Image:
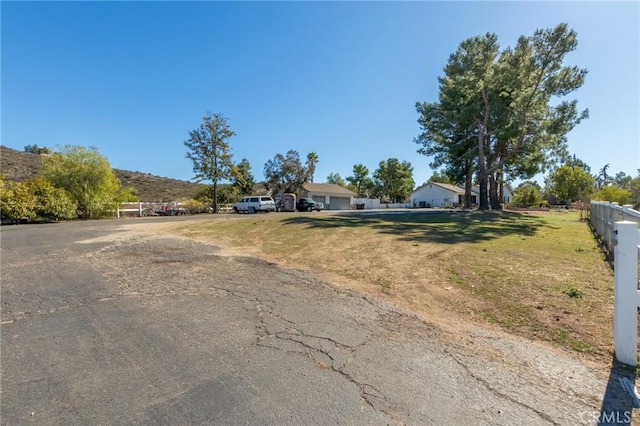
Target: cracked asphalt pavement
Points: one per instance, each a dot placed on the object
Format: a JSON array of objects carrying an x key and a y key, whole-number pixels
[{"x": 103, "y": 323}]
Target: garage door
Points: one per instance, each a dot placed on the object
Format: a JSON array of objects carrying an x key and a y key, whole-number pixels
[{"x": 339, "y": 203}]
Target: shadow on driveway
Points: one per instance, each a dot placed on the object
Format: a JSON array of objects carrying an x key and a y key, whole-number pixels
[{"x": 618, "y": 402}]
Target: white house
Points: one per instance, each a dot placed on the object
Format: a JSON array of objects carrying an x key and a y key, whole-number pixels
[
  {"x": 435, "y": 194},
  {"x": 507, "y": 192},
  {"x": 334, "y": 197}
]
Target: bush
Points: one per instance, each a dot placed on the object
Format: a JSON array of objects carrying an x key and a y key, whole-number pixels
[
  {"x": 35, "y": 199},
  {"x": 52, "y": 203},
  {"x": 527, "y": 196},
  {"x": 18, "y": 203},
  {"x": 612, "y": 194},
  {"x": 194, "y": 206}
]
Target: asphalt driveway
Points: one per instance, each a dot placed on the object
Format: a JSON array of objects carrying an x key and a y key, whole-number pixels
[{"x": 105, "y": 324}]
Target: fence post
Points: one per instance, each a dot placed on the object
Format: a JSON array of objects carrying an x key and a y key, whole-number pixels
[
  {"x": 140, "y": 209},
  {"x": 611, "y": 218},
  {"x": 625, "y": 322},
  {"x": 601, "y": 221}
]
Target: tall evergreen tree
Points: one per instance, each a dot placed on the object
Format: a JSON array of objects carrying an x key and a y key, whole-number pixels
[{"x": 502, "y": 101}]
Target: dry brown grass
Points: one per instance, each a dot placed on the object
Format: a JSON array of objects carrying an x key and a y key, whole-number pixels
[{"x": 541, "y": 276}]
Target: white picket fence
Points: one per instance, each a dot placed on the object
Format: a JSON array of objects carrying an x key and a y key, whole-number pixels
[
  {"x": 152, "y": 208},
  {"x": 617, "y": 226},
  {"x": 375, "y": 203}
]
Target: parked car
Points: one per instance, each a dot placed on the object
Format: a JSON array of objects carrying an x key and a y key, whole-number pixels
[
  {"x": 309, "y": 204},
  {"x": 254, "y": 204}
]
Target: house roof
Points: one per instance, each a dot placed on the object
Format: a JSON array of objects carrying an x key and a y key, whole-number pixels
[
  {"x": 328, "y": 188},
  {"x": 453, "y": 188}
]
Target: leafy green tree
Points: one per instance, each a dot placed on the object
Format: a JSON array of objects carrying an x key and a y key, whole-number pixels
[
  {"x": 210, "y": 152},
  {"x": 394, "y": 179},
  {"x": 621, "y": 180},
  {"x": 87, "y": 177},
  {"x": 228, "y": 194},
  {"x": 127, "y": 194},
  {"x": 335, "y": 178},
  {"x": 204, "y": 195},
  {"x": 35, "y": 149},
  {"x": 360, "y": 181},
  {"x": 612, "y": 194},
  {"x": 241, "y": 178},
  {"x": 528, "y": 194},
  {"x": 570, "y": 183},
  {"x": 507, "y": 103},
  {"x": 440, "y": 177},
  {"x": 285, "y": 173},
  {"x": 312, "y": 161}
]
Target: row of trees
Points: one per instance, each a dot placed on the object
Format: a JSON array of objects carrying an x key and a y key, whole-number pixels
[
  {"x": 73, "y": 182},
  {"x": 392, "y": 180},
  {"x": 501, "y": 114},
  {"x": 572, "y": 182},
  {"x": 210, "y": 152}
]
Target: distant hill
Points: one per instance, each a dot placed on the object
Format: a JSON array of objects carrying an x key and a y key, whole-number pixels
[{"x": 20, "y": 165}]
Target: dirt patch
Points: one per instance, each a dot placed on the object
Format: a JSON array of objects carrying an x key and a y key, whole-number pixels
[
  {"x": 420, "y": 291},
  {"x": 511, "y": 272}
]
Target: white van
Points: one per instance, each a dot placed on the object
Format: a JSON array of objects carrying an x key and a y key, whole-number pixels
[{"x": 255, "y": 204}]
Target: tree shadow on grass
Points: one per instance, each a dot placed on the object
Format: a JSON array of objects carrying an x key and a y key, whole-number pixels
[{"x": 435, "y": 227}]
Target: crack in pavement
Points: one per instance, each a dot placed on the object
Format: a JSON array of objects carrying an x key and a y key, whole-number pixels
[
  {"x": 290, "y": 332},
  {"x": 368, "y": 393},
  {"x": 342, "y": 331},
  {"x": 496, "y": 392}
]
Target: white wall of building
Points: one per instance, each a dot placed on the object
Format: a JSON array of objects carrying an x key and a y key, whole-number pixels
[{"x": 434, "y": 196}]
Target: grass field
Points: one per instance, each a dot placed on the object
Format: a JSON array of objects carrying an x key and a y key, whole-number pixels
[{"x": 541, "y": 276}]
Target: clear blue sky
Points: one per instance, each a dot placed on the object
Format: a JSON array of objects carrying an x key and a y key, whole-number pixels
[{"x": 337, "y": 78}]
